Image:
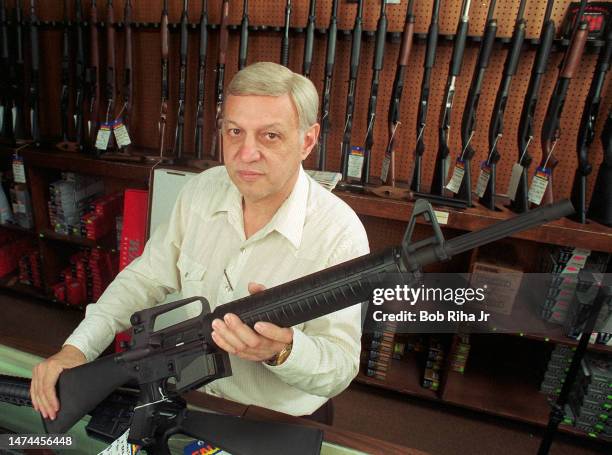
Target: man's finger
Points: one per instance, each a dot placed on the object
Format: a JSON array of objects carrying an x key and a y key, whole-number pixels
[
  {"x": 229, "y": 336},
  {"x": 274, "y": 332},
  {"x": 242, "y": 331},
  {"x": 254, "y": 288},
  {"x": 220, "y": 341}
]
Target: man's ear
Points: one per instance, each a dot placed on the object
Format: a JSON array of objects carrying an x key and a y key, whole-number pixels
[{"x": 311, "y": 137}]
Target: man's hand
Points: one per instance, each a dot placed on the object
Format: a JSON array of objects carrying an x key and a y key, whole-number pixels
[
  {"x": 45, "y": 376},
  {"x": 237, "y": 338}
]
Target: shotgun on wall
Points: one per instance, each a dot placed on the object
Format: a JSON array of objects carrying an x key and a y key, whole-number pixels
[
  {"x": 586, "y": 131},
  {"x": 468, "y": 121},
  {"x": 6, "y": 114},
  {"x": 65, "y": 79},
  {"x": 34, "y": 76},
  {"x": 92, "y": 77},
  {"x": 387, "y": 173},
  {"x": 309, "y": 42},
  {"x": 182, "y": 90},
  {"x": 215, "y": 149},
  {"x": 526, "y": 132},
  {"x": 203, "y": 50},
  {"x": 352, "y": 88},
  {"x": 552, "y": 119},
  {"x": 442, "y": 159},
  {"x": 165, "y": 87},
  {"x": 496, "y": 125},
  {"x": 428, "y": 64},
  {"x": 600, "y": 208},
  {"x": 330, "y": 60},
  {"x": 18, "y": 78},
  {"x": 243, "y": 50},
  {"x": 284, "y": 57},
  {"x": 79, "y": 99}
]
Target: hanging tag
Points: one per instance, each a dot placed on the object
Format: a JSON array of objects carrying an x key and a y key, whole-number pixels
[
  {"x": 455, "y": 182},
  {"x": 538, "y": 185},
  {"x": 14, "y": 112},
  {"x": 385, "y": 168},
  {"x": 121, "y": 134},
  {"x": 19, "y": 175},
  {"x": 103, "y": 136},
  {"x": 515, "y": 178},
  {"x": 121, "y": 446},
  {"x": 355, "y": 162},
  {"x": 483, "y": 179}
]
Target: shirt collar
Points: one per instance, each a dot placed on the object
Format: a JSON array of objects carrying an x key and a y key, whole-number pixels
[{"x": 289, "y": 218}]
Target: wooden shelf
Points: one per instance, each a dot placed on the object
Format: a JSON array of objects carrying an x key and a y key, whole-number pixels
[
  {"x": 562, "y": 339},
  {"x": 106, "y": 243},
  {"x": 565, "y": 232},
  {"x": 11, "y": 282},
  {"x": 85, "y": 164},
  {"x": 403, "y": 376},
  {"x": 17, "y": 228}
]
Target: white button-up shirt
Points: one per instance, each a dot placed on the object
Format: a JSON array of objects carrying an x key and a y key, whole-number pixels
[{"x": 203, "y": 251}]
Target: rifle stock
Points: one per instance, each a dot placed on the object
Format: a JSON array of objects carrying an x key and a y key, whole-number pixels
[
  {"x": 156, "y": 356},
  {"x": 82, "y": 388}
]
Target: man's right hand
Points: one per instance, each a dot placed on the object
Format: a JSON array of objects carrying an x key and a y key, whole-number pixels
[{"x": 45, "y": 376}]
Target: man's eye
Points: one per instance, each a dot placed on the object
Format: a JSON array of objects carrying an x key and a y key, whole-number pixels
[
  {"x": 234, "y": 131},
  {"x": 271, "y": 136}
]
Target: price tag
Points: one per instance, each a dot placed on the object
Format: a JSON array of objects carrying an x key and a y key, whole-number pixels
[
  {"x": 538, "y": 185},
  {"x": 455, "y": 182},
  {"x": 121, "y": 134},
  {"x": 121, "y": 446},
  {"x": 441, "y": 217},
  {"x": 19, "y": 175},
  {"x": 103, "y": 136},
  {"x": 483, "y": 179},
  {"x": 355, "y": 162},
  {"x": 385, "y": 168},
  {"x": 515, "y": 178}
]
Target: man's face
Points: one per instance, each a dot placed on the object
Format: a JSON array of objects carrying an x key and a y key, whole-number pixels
[{"x": 262, "y": 147}]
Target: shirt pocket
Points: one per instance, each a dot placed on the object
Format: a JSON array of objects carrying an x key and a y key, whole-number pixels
[{"x": 192, "y": 277}]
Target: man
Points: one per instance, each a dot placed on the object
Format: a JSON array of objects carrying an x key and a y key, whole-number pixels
[{"x": 257, "y": 222}]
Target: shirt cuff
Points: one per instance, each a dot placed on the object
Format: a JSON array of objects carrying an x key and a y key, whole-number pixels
[{"x": 302, "y": 359}]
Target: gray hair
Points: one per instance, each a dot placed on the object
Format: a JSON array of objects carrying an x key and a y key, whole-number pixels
[{"x": 272, "y": 79}]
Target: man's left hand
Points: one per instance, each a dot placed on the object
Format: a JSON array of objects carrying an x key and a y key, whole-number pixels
[{"x": 237, "y": 338}]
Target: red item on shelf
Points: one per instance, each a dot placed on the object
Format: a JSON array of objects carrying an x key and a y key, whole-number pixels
[{"x": 135, "y": 210}]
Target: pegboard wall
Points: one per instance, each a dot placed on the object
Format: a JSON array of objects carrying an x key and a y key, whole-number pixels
[{"x": 264, "y": 45}]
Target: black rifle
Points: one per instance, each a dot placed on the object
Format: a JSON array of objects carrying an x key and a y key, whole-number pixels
[
  {"x": 80, "y": 76},
  {"x": 600, "y": 208},
  {"x": 93, "y": 78},
  {"x": 6, "y": 114},
  {"x": 128, "y": 70},
  {"x": 180, "y": 116},
  {"x": 387, "y": 174},
  {"x": 165, "y": 84},
  {"x": 111, "y": 74},
  {"x": 244, "y": 36},
  {"x": 18, "y": 77},
  {"x": 496, "y": 126},
  {"x": 187, "y": 353},
  {"x": 284, "y": 59},
  {"x": 377, "y": 66},
  {"x": 428, "y": 63},
  {"x": 309, "y": 43},
  {"x": 586, "y": 131},
  {"x": 223, "y": 41},
  {"x": 552, "y": 119},
  {"x": 350, "y": 98},
  {"x": 34, "y": 75},
  {"x": 526, "y": 132},
  {"x": 199, "y": 131},
  {"x": 330, "y": 60},
  {"x": 442, "y": 158},
  {"x": 468, "y": 121},
  {"x": 65, "y": 78}
]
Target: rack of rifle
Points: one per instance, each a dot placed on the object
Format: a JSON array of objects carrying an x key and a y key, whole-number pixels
[{"x": 95, "y": 118}]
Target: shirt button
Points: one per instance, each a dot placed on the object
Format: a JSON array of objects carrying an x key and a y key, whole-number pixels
[{"x": 242, "y": 250}]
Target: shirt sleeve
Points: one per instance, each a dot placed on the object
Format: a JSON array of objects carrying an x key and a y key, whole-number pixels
[
  {"x": 325, "y": 354},
  {"x": 142, "y": 284}
]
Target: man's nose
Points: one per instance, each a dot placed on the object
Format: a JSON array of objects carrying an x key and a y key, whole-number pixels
[{"x": 248, "y": 149}]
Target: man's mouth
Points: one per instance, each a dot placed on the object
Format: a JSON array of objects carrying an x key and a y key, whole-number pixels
[{"x": 249, "y": 176}]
